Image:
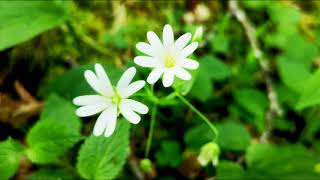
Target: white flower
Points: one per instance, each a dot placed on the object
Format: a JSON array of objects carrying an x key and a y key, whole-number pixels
[
  {"x": 168, "y": 58},
  {"x": 111, "y": 101}
]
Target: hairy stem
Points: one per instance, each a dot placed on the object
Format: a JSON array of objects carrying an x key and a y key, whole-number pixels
[
  {"x": 274, "y": 108},
  {"x": 202, "y": 116}
]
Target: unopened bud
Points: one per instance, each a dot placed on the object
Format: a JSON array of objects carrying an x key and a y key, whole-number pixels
[
  {"x": 209, "y": 153},
  {"x": 197, "y": 37},
  {"x": 146, "y": 165}
]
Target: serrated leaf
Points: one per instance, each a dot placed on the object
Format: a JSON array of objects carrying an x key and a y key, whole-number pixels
[
  {"x": 103, "y": 158},
  {"x": 233, "y": 136},
  {"x": 22, "y": 20},
  {"x": 58, "y": 109},
  {"x": 50, "y": 174},
  {"x": 11, "y": 152},
  {"x": 57, "y": 131}
]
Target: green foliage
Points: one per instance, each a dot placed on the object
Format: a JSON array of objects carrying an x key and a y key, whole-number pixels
[
  {"x": 50, "y": 174},
  {"x": 233, "y": 136},
  {"x": 22, "y": 20},
  {"x": 254, "y": 102},
  {"x": 288, "y": 161},
  {"x": 265, "y": 161},
  {"x": 103, "y": 158},
  {"x": 58, "y": 131},
  {"x": 310, "y": 95},
  {"x": 211, "y": 69},
  {"x": 229, "y": 88},
  {"x": 11, "y": 152},
  {"x": 169, "y": 154},
  {"x": 197, "y": 136},
  {"x": 230, "y": 170}
]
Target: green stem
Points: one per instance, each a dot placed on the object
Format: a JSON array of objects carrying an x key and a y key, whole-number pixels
[
  {"x": 202, "y": 116},
  {"x": 152, "y": 123}
]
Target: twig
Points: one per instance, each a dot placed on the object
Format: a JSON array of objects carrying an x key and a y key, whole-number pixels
[
  {"x": 134, "y": 166},
  {"x": 274, "y": 108}
]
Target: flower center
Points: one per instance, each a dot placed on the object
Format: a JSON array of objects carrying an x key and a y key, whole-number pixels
[
  {"x": 169, "y": 61},
  {"x": 116, "y": 99}
]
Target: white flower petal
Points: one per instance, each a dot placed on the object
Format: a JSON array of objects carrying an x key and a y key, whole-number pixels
[
  {"x": 90, "y": 110},
  {"x": 101, "y": 123},
  {"x": 182, "y": 41},
  {"x": 188, "y": 50},
  {"x": 136, "y": 106},
  {"x": 155, "y": 75},
  {"x": 154, "y": 40},
  {"x": 129, "y": 114},
  {"x": 95, "y": 83},
  {"x": 103, "y": 77},
  {"x": 131, "y": 89},
  {"x": 146, "y": 61},
  {"x": 126, "y": 78},
  {"x": 203, "y": 160},
  {"x": 146, "y": 49},
  {"x": 168, "y": 78},
  {"x": 112, "y": 120},
  {"x": 167, "y": 36},
  {"x": 88, "y": 100},
  {"x": 189, "y": 63},
  {"x": 182, "y": 74}
]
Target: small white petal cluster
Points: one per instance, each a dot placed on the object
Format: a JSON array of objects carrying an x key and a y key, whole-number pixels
[
  {"x": 168, "y": 58},
  {"x": 111, "y": 101},
  {"x": 209, "y": 153}
]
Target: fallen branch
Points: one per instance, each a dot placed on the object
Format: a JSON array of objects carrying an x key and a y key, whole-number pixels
[{"x": 274, "y": 108}]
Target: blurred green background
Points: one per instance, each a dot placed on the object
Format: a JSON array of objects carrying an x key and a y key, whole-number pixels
[{"x": 46, "y": 45}]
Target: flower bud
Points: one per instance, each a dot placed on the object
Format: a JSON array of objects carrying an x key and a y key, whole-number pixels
[
  {"x": 209, "y": 153},
  {"x": 197, "y": 37},
  {"x": 146, "y": 165},
  {"x": 317, "y": 168}
]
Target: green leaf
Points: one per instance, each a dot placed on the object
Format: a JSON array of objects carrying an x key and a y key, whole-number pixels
[
  {"x": 230, "y": 170},
  {"x": 283, "y": 124},
  {"x": 57, "y": 131},
  {"x": 310, "y": 95},
  {"x": 266, "y": 161},
  {"x": 253, "y": 101},
  {"x": 215, "y": 68},
  {"x": 169, "y": 154},
  {"x": 11, "y": 152},
  {"x": 22, "y": 20},
  {"x": 58, "y": 109},
  {"x": 202, "y": 88},
  {"x": 103, "y": 158},
  {"x": 233, "y": 136},
  {"x": 292, "y": 73},
  {"x": 50, "y": 174},
  {"x": 197, "y": 136}
]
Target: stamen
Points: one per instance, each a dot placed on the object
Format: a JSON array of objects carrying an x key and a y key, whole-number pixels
[{"x": 169, "y": 61}]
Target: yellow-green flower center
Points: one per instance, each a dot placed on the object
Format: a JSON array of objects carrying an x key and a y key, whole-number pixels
[
  {"x": 116, "y": 99},
  {"x": 169, "y": 61}
]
